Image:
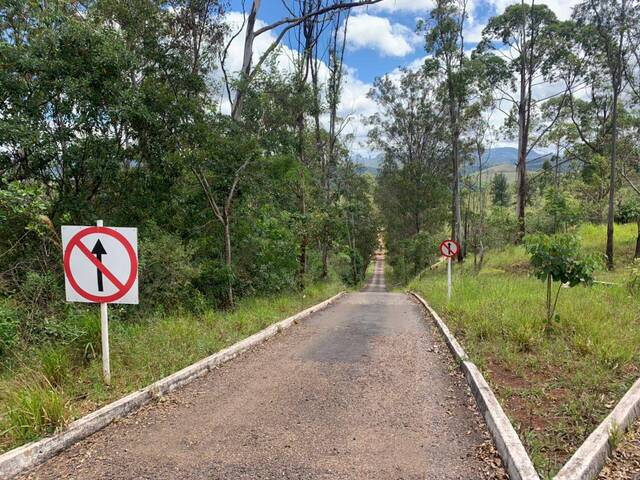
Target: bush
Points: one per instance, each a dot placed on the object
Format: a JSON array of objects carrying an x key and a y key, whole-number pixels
[{"x": 167, "y": 270}]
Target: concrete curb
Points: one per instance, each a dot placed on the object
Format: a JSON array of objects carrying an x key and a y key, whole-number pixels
[
  {"x": 19, "y": 459},
  {"x": 508, "y": 444},
  {"x": 588, "y": 460}
]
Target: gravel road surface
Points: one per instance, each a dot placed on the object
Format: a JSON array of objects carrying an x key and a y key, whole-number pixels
[{"x": 362, "y": 390}]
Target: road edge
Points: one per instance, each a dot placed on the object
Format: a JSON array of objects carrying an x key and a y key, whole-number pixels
[
  {"x": 27, "y": 456},
  {"x": 589, "y": 459},
  {"x": 513, "y": 454}
]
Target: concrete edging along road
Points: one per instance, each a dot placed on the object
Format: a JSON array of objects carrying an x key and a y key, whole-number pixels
[
  {"x": 19, "y": 459},
  {"x": 587, "y": 462},
  {"x": 508, "y": 444}
]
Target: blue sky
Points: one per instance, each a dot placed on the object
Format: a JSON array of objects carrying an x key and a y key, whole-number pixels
[{"x": 381, "y": 38}]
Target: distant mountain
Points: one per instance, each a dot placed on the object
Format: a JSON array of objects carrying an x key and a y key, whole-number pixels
[
  {"x": 504, "y": 158},
  {"x": 370, "y": 164},
  {"x": 509, "y": 156}
]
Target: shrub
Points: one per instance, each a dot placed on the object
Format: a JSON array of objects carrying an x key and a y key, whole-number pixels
[
  {"x": 557, "y": 258},
  {"x": 9, "y": 327},
  {"x": 167, "y": 271}
]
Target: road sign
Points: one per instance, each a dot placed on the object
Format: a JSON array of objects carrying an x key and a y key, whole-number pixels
[
  {"x": 100, "y": 264},
  {"x": 449, "y": 248}
]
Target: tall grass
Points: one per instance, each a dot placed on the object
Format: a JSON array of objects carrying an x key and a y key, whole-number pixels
[{"x": 42, "y": 389}]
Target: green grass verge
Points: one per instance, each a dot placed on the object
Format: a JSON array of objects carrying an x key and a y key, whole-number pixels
[
  {"x": 555, "y": 387},
  {"x": 43, "y": 389}
]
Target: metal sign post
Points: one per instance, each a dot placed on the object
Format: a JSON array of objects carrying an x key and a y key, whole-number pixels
[
  {"x": 101, "y": 266},
  {"x": 449, "y": 249}
]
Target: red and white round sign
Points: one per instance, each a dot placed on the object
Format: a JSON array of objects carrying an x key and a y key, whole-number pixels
[
  {"x": 449, "y": 248},
  {"x": 100, "y": 264}
]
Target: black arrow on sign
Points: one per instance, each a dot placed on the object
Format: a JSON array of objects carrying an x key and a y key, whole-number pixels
[{"x": 98, "y": 250}]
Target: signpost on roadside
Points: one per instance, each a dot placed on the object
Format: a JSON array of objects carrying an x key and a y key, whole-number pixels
[
  {"x": 450, "y": 249},
  {"x": 101, "y": 266}
]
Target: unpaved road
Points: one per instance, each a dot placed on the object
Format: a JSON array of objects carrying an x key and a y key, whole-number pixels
[{"x": 362, "y": 390}]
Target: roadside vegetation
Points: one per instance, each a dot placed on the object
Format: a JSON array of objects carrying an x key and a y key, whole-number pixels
[
  {"x": 248, "y": 206},
  {"x": 555, "y": 386},
  {"x": 546, "y": 292},
  {"x": 46, "y": 386}
]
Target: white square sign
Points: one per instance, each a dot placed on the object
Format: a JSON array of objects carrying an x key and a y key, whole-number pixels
[{"x": 100, "y": 264}]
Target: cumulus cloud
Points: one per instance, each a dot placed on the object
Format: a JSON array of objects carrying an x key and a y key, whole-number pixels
[
  {"x": 380, "y": 34},
  {"x": 411, "y": 6},
  {"x": 562, "y": 8}
]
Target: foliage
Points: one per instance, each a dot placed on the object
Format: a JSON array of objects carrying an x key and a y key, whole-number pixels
[
  {"x": 500, "y": 195},
  {"x": 557, "y": 258}
]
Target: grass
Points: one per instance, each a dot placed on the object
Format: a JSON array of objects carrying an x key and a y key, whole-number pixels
[
  {"x": 43, "y": 389},
  {"x": 556, "y": 387}
]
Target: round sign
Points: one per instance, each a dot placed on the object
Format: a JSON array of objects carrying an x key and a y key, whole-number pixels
[
  {"x": 449, "y": 248},
  {"x": 122, "y": 287}
]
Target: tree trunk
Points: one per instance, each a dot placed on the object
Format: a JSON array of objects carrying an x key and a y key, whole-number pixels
[
  {"x": 612, "y": 180},
  {"x": 227, "y": 259},
  {"x": 521, "y": 166},
  {"x": 238, "y": 103},
  {"x": 456, "y": 224}
]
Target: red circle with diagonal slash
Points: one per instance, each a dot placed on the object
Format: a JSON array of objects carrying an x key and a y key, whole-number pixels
[
  {"x": 446, "y": 251},
  {"x": 123, "y": 288}
]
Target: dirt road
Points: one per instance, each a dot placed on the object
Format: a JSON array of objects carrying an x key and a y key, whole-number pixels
[{"x": 362, "y": 390}]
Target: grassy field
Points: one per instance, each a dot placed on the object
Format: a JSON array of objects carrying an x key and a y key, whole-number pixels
[
  {"x": 43, "y": 389},
  {"x": 555, "y": 387}
]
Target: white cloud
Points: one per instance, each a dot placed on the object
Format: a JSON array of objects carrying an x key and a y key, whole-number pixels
[
  {"x": 413, "y": 6},
  {"x": 378, "y": 33},
  {"x": 562, "y": 8}
]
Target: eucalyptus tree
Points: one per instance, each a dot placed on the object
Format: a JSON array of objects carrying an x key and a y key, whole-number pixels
[
  {"x": 283, "y": 26},
  {"x": 605, "y": 26},
  {"x": 523, "y": 38},
  {"x": 444, "y": 37}
]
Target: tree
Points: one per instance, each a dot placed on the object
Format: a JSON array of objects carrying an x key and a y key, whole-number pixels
[
  {"x": 500, "y": 190},
  {"x": 527, "y": 32},
  {"x": 445, "y": 40},
  {"x": 557, "y": 258},
  {"x": 605, "y": 26}
]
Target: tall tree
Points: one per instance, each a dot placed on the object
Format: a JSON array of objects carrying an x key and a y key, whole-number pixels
[
  {"x": 606, "y": 25},
  {"x": 444, "y": 36},
  {"x": 527, "y": 32}
]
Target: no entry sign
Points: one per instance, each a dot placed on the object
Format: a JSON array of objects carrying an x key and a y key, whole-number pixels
[
  {"x": 449, "y": 248},
  {"x": 100, "y": 264}
]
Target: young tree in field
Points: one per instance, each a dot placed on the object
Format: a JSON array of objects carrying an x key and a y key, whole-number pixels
[
  {"x": 526, "y": 34},
  {"x": 604, "y": 38}
]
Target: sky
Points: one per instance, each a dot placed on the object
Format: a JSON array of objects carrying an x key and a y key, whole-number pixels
[{"x": 381, "y": 39}]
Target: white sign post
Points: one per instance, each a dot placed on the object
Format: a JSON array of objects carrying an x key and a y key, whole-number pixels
[
  {"x": 101, "y": 266},
  {"x": 449, "y": 249}
]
